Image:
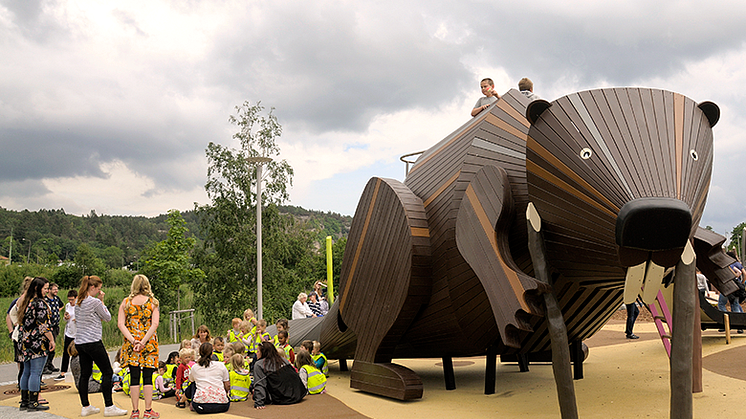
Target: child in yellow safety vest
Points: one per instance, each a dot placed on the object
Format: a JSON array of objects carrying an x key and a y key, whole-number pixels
[
  {"x": 282, "y": 343},
  {"x": 234, "y": 334},
  {"x": 281, "y": 325},
  {"x": 172, "y": 364},
  {"x": 312, "y": 377},
  {"x": 240, "y": 379},
  {"x": 218, "y": 344},
  {"x": 157, "y": 391},
  {"x": 319, "y": 359}
]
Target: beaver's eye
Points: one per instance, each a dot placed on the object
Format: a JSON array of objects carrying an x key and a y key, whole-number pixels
[
  {"x": 694, "y": 155},
  {"x": 586, "y": 153}
]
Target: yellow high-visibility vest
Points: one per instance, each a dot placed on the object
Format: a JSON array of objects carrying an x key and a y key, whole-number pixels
[
  {"x": 240, "y": 384},
  {"x": 325, "y": 365},
  {"x": 316, "y": 379}
]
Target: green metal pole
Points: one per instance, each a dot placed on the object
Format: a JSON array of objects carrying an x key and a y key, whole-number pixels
[{"x": 329, "y": 269}]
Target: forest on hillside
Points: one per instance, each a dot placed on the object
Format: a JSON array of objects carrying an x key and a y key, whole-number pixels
[{"x": 53, "y": 236}]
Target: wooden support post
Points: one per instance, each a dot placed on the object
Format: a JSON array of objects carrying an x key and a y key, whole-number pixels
[
  {"x": 555, "y": 321},
  {"x": 448, "y": 373},
  {"x": 343, "y": 364},
  {"x": 684, "y": 291},
  {"x": 522, "y": 362},
  {"x": 697, "y": 353},
  {"x": 490, "y": 370},
  {"x": 726, "y": 320},
  {"x": 576, "y": 352}
]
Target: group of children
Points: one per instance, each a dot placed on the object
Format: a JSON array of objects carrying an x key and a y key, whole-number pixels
[{"x": 238, "y": 351}]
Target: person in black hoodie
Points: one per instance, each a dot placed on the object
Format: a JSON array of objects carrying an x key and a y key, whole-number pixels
[{"x": 275, "y": 379}]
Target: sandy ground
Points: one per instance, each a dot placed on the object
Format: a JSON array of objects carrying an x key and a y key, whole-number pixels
[{"x": 623, "y": 378}]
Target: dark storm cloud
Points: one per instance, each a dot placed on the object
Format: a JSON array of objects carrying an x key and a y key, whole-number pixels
[
  {"x": 333, "y": 69},
  {"x": 328, "y": 70},
  {"x": 50, "y": 152},
  {"x": 30, "y": 18}
]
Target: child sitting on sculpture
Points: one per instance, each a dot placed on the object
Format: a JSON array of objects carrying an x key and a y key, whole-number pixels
[{"x": 490, "y": 96}]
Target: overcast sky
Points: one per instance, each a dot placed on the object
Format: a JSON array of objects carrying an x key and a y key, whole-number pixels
[{"x": 109, "y": 105}]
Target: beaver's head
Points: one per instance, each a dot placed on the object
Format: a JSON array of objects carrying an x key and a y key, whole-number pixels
[{"x": 620, "y": 177}]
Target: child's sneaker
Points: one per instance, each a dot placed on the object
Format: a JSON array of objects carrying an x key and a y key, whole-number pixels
[
  {"x": 114, "y": 410},
  {"x": 89, "y": 410},
  {"x": 151, "y": 414},
  {"x": 135, "y": 414}
]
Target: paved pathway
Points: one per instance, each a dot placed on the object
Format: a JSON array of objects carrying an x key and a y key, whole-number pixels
[{"x": 9, "y": 371}]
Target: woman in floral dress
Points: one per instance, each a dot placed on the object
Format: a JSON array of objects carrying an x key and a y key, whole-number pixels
[
  {"x": 35, "y": 341},
  {"x": 138, "y": 321}
]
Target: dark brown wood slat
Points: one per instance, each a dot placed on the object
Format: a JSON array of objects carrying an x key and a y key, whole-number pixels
[
  {"x": 638, "y": 111},
  {"x": 636, "y": 142},
  {"x": 599, "y": 168},
  {"x": 629, "y": 148},
  {"x": 664, "y": 112},
  {"x": 586, "y": 220},
  {"x": 560, "y": 135},
  {"x": 609, "y": 129},
  {"x": 701, "y": 141},
  {"x": 544, "y": 141},
  {"x": 661, "y": 165}
]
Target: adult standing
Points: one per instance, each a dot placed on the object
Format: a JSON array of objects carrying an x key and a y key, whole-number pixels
[
  {"x": 55, "y": 305},
  {"x": 275, "y": 379},
  {"x": 138, "y": 320},
  {"x": 36, "y": 341},
  {"x": 11, "y": 319},
  {"x": 89, "y": 314},
  {"x": 301, "y": 310},
  {"x": 70, "y": 331},
  {"x": 212, "y": 381}
]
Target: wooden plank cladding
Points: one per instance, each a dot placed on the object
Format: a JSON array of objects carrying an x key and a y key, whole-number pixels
[{"x": 439, "y": 265}]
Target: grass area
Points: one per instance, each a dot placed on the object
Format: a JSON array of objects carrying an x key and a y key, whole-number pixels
[{"x": 112, "y": 337}]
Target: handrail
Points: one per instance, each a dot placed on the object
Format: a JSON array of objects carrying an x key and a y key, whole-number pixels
[{"x": 407, "y": 161}]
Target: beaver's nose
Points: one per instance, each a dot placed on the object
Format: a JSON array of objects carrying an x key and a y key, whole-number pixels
[{"x": 653, "y": 224}]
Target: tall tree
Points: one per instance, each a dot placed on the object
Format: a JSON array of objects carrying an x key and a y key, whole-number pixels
[
  {"x": 168, "y": 264},
  {"x": 228, "y": 223},
  {"x": 87, "y": 263}
]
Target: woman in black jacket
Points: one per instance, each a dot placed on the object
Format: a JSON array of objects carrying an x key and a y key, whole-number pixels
[{"x": 275, "y": 379}]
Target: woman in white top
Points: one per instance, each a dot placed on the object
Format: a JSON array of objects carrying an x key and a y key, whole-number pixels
[
  {"x": 301, "y": 310},
  {"x": 90, "y": 311},
  {"x": 70, "y": 331},
  {"x": 212, "y": 383}
]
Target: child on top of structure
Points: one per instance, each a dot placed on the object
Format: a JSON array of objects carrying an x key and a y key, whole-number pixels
[
  {"x": 281, "y": 324},
  {"x": 186, "y": 356},
  {"x": 282, "y": 343},
  {"x": 218, "y": 344},
  {"x": 160, "y": 385},
  {"x": 312, "y": 377},
  {"x": 490, "y": 96},
  {"x": 319, "y": 359},
  {"x": 526, "y": 87},
  {"x": 234, "y": 334},
  {"x": 240, "y": 379}
]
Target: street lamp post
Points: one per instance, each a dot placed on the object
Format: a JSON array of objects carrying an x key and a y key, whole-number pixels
[{"x": 260, "y": 163}]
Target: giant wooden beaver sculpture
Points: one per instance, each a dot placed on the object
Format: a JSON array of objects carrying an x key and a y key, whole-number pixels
[{"x": 439, "y": 265}]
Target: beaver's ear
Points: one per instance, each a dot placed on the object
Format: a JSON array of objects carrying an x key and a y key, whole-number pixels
[
  {"x": 535, "y": 109},
  {"x": 711, "y": 111}
]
